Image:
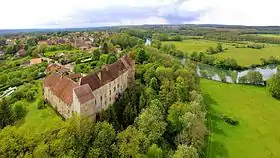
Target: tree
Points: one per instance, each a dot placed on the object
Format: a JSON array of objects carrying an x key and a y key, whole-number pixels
[
  {"x": 211, "y": 50},
  {"x": 181, "y": 89},
  {"x": 105, "y": 48},
  {"x": 130, "y": 142},
  {"x": 168, "y": 93},
  {"x": 164, "y": 73},
  {"x": 254, "y": 77},
  {"x": 155, "y": 152},
  {"x": 5, "y": 113},
  {"x": 242, "y": 79},
  {"x": 218, "y": 48},
  {"x": 194, "y": 56},
  {"x": 19, "y": 110},
  {"x": 194, "y": 129},
  {"x": 175, "y": 112},
  {"x": 273, "y": 85},
  {"x": 156, "y": 44},
  {"x": 104, "y": 136},
  {"x": 111, "y": 58},
  {"x": 141, "y": 56},
  {"x": 149, "y": 74},
  {"x": 10, "y": 50},
  {"x": 234, "y": 75},
  {"x": 185, "y": 151},
  {"x": 154, "y": 84},
  {"x": 222, "y": 76},
  {"x": 104, "y": 58},
  {"x": 151, "y": 123},
  {"x": 95, "y": 54}
]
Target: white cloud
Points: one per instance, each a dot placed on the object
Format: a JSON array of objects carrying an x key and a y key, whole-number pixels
[
  {"x": 239, "y": 12},
  {"x": 85, "y": 13}
]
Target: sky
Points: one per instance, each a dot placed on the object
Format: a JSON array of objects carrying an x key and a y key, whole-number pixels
[{"x": 23, "y": 14}]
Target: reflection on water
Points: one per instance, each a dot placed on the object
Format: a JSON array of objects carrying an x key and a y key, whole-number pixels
[
  {"x": 148, "y": 42},
  {"x": 216, "y": 74}
]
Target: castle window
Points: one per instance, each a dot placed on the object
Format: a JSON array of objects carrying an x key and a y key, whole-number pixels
[
  {"x": 115, "y": 88},
  {"x": 101, "y": 98},
  {"x": 110, "y": 92}
]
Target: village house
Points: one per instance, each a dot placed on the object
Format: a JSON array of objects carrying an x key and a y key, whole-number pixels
[
  {"x": 52, "y": 67},
  {"x": 35, "y": 61},
  {"x": 47, "y": 42},
  {"x": 91, "y": 93},
  {"x": 82, "y": 45},
  {"x": 21, "y": 53}
]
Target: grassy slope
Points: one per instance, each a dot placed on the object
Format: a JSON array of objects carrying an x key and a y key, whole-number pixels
[
  {"x": 244, "y": 56},
  {"x": 257, "y": 135},
  {"x": 38, "y": 120}
]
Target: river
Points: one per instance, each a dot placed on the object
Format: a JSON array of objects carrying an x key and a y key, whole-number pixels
[{"x": 214, "y": 73}]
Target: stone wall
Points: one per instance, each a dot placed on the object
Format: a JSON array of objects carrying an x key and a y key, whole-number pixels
[
  {"x": 106, "y": 95},
  {"x": 87, "y": 109},
  {"x": 62, "y": 108}
]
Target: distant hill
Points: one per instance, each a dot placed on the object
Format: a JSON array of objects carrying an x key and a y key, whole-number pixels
[{"x": 247, "y": 29}]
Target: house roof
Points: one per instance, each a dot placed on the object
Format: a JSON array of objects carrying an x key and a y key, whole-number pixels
[
  {"x": 81, "y": 44},
  {"x": 74, "y": 76},
  {"x": 35, "y": 61},
  {"x": 53, "y": 67},
  {"x": 63, "y": 69},
  {"x": 61, "y": 41},
  {"x": 128, "y": 60},
  {"x": 84, "y": 93},
  {"x": 49, "y": 42},
  {"x": 61, "y": 86},
  {"x": 21, "y": 52},
  {"x": 105, "y": 75}
]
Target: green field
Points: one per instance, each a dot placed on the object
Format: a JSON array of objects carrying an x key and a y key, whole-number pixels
[
  {"x": 243, "y": 56},
  {"x": 53, "y": 53},
  {"x": 258, "y": 133},
  {"x": 270, "y": 35},
  {"x": 38, "y": 120}
]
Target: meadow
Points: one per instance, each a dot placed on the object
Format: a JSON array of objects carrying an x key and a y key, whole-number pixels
[
  {"x": 256, "y": 136},
  {"x": 243, "y": 56},
  {"x": 270, "y": 35},
  {"x": 38, "y": 120}
]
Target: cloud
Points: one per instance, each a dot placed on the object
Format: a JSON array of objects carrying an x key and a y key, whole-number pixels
[{"x": 91, "y": 13}]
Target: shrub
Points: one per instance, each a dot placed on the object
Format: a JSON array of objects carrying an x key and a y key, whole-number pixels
[
  {"x": 41, "y": 104},
  {"x": 19, "y": 110},
  {"x": 229, "y": 120},
  {"x": 273, "y": 85}
]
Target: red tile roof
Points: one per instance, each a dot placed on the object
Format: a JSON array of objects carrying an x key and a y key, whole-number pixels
[
  {"x": 22, "y": 52},
  {"x": 84, "y": 93},
  {"x": 74, "y": 76},
  {"x": 128, "y": 60},
  {"x": 108, "y": 74},
  {"x": 53, "y": 67},
  {"x": 35, "y": 61},
  {"x": 61, "y": 86}
]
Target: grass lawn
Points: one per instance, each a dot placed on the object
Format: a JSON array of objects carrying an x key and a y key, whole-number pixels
[
  {"x": 258, "y": 133},
  {"x": 53, "y": 53},
  {"x": 270, "y": 35},
  {"x": 243, "y": 56},
  {"x": 38, "y": 120}
]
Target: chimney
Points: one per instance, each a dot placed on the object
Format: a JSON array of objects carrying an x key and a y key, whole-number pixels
[{"x": 99, "y": 75}]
